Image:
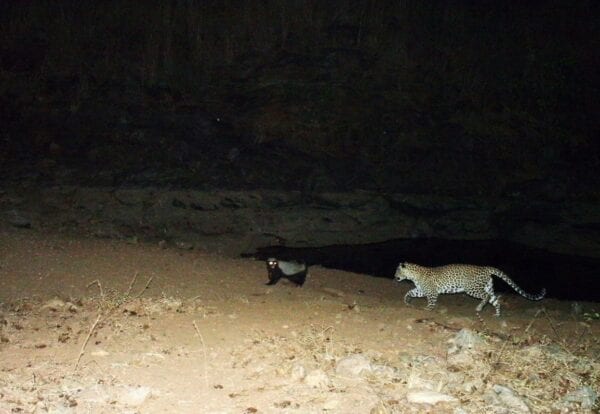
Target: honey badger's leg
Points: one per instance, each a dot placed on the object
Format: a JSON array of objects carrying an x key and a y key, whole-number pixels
[
  {"x": 273, "y": 279},
  {"x": 298, "y": 278},
  {"x": 274, "y": 273},
  {"x": 294, "y": 271}
]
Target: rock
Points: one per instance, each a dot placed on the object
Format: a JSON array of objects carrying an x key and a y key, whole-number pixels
[
  {"x": 417, "y": 383},
  {"x": 465, "y": 339},
  {"x": 428, "y": 397},
  {"x": 334, "y": 292},
  {"x": 162, "y": 305},
  {"x": 298, "y": 372},
  {"x": 553, "y": 351},
  {"x": 330, "y": 404},
  {"x": 95, "y": 394},
  {"x": 585, "y": 396},
  {"x": 380, "y": 408},
  {"x": 472, "y": 386},
  {"x": 54, "y": 305},
  {"x": 106, "y": 231},
  {"x": 463, "y": 350},
  {"x": 184, "y": 245},
  {"x": 384, "y": 371},
  {"x": 133, "y": 196},
  {"x": 134, "y": 396},
  {"x": 576, "y": 309},
  {"x": 171, "y": 304},
  {"x": 460, "y": 361},
  {"x": 353, "y": 366},
  {"x": 18, "y": 220},
  {"x": 177, "y": 203},
  {"x": 506, "y": 397},
  {"x": 132, "y": 240},
  {"x": 317, "y": 379},
  {"x": 100, "y": 353},
  {"x": 333, "y": 218}
]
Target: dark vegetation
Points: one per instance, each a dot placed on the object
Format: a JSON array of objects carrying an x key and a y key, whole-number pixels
[{"x": 462, "y": 97}]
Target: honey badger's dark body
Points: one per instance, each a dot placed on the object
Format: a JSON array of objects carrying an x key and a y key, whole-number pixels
[{"x": 294, "y": 272}]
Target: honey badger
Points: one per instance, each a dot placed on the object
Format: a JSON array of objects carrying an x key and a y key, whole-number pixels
[{"x": 291, "y": 270}]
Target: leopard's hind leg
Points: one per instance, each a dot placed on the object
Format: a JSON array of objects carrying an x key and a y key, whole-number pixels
[
  {"x": 489, "y": 296},
  {"x": 431, "y": 301}
]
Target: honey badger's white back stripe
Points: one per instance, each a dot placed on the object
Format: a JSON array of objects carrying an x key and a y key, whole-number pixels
[{"x": 289, "y": 268}]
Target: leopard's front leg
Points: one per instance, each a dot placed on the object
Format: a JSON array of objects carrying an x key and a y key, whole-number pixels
[{"x": 413, "y": 293}]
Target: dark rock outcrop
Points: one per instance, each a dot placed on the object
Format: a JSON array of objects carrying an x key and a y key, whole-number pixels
[{"x": 240, "y": 221}]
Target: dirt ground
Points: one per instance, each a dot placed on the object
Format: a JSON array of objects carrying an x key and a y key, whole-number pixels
[{"x": 106, "y": 326}]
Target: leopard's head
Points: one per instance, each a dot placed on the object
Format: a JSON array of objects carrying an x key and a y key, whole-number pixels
[{"x": 404, "y": 271}]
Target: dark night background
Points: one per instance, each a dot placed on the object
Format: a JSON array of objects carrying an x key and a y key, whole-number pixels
[{"x": 447, "y": 98}]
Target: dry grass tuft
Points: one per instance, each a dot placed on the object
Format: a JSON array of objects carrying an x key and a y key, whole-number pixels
[{"x": 109, "y": 302}]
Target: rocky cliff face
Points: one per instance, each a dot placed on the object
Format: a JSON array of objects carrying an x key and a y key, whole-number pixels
[{"x": 233, "y": 222}]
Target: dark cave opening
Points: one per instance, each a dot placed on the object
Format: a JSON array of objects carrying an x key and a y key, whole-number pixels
[{"x": 565, "y": 277}]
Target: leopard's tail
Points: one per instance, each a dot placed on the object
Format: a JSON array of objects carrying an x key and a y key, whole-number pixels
[{"x": 499, "y": 273}]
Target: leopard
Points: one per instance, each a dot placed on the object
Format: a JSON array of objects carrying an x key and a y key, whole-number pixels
[{"x": 475, "y": 281}]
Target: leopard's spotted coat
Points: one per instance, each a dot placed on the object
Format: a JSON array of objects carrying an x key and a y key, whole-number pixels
[{"x": 475, "y": 281}]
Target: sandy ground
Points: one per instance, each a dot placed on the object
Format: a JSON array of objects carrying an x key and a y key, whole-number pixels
[{"x": 97, "y": 325}]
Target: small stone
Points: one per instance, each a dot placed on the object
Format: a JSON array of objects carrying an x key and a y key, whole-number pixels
[
  {"x": 334, "y": 292},
  {"x": 510, "y": 400},
  {"x": 317, "y": 379},
  {"x": 132, "y": 240},
  {"x": 353, "y": 366},
  {"x": 428, "y": 397},
  {"x": 298, "y": 372},
  {"x": 184, "y": 245},
  {"x": 465, "y": 339},
  {"x": 576, "y": 309},
  {"x": 384, "y": 371},
  {"x": 135, "y": 396},
  {"x": 71, "y": 307},
  {"x": 380, "y": 408},
  {"x": 331, "y": 404},
  {"x": 54, "y": 305},
  {"x": 460, "y": 361},
  {"x": 15, "y": 219},
  {"x": 168, "y": 303},
  {"x": 96, "y": 394},
  {"x": 585, "y": 396},
  {"x": 472, "y": 386}
]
